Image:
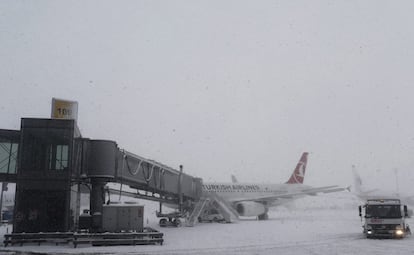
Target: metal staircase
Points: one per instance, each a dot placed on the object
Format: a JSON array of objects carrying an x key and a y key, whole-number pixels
[
  {"x": 198, "y": 208},
  {"x": 213, "y": 200},
  {"x": 224, "y": 207}
]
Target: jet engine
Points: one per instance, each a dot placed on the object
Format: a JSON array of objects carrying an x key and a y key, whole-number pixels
[{"x": 250, "y": 208}]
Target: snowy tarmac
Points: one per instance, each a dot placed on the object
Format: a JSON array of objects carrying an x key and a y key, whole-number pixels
[{"x": 327, "y": 224}]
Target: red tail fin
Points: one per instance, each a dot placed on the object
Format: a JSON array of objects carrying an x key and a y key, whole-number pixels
[{"x": 298, "y": 175}]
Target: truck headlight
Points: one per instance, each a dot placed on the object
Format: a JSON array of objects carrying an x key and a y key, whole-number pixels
[{"x": 399, "y": 232}]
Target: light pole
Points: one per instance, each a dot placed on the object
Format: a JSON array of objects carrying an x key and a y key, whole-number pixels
[{"x": 396, "y": 181}]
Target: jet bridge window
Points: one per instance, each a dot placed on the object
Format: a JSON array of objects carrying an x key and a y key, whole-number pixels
[
  {"x": 58, "y": 157},
  {"x": 45, "y": 149},
  {"x": 8, "y": 157}
]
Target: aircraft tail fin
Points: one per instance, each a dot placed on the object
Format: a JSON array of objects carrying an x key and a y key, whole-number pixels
[
  {"x": 298, "y": 174},
  {"x": 357, "y": 181},
  {"x": 359, "y": 190},
  {"x": 233, "y": 179}
]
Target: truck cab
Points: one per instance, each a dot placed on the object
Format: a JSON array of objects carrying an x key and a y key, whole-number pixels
[{"x": 384, "y": 218}]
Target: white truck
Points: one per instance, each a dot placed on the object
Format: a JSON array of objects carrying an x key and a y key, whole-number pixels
[{"x": 384, "y": 218}]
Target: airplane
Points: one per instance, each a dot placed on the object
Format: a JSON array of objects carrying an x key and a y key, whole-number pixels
[
  {"x": 362, "y": 193},
  {"x": 253, "y": 199}
]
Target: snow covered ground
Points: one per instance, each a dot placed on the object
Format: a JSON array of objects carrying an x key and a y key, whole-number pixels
[{"x": 327, "y": 224}]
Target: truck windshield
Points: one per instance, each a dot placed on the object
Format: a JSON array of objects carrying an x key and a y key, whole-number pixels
[{"x": 382, "y": 211}]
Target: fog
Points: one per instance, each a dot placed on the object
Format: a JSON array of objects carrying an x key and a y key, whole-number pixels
[{"x": 224, "y": 87}]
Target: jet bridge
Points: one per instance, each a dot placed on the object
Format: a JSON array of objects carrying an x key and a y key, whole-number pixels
[
  {"x": 52, "y": 163},
  {"x": 150, "y": 179}
]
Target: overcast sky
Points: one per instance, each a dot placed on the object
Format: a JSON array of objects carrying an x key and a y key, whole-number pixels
[{"x": 224, "y": 87}]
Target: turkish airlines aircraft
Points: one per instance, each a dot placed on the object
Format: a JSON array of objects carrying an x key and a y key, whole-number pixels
[{"x": 252, "y": 199}]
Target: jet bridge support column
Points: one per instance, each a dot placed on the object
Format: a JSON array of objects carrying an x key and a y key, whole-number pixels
[
  {"x": 180, "y": 193},
  {"x": 97, "y": 199}
]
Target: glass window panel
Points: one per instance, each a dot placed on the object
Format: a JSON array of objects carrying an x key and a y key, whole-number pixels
[
  {"x": 45, "y": 149},
  {"x": 58, "y": 157},
  {"x": 8, "y": 157}
]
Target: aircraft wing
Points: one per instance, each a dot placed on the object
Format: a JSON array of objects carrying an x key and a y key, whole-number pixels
[
  {"x": 366, "y": 192},
  {"x": 290, "y": 195}
]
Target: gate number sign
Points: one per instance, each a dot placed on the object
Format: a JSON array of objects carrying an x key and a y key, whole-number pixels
[{"x": 64, "y": 109}]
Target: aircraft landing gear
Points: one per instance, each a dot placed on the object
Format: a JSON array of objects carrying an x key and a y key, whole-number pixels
[{"x": 263, "y": 216}]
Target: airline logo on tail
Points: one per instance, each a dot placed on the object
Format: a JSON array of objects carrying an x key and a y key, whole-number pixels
[{"x": 298, "y": 174}]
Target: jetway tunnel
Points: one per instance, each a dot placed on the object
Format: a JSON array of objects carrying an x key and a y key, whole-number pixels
[{"x": 53, "y": 162}]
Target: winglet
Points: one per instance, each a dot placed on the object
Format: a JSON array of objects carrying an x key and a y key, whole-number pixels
[{"x": 298, "y": 174}]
